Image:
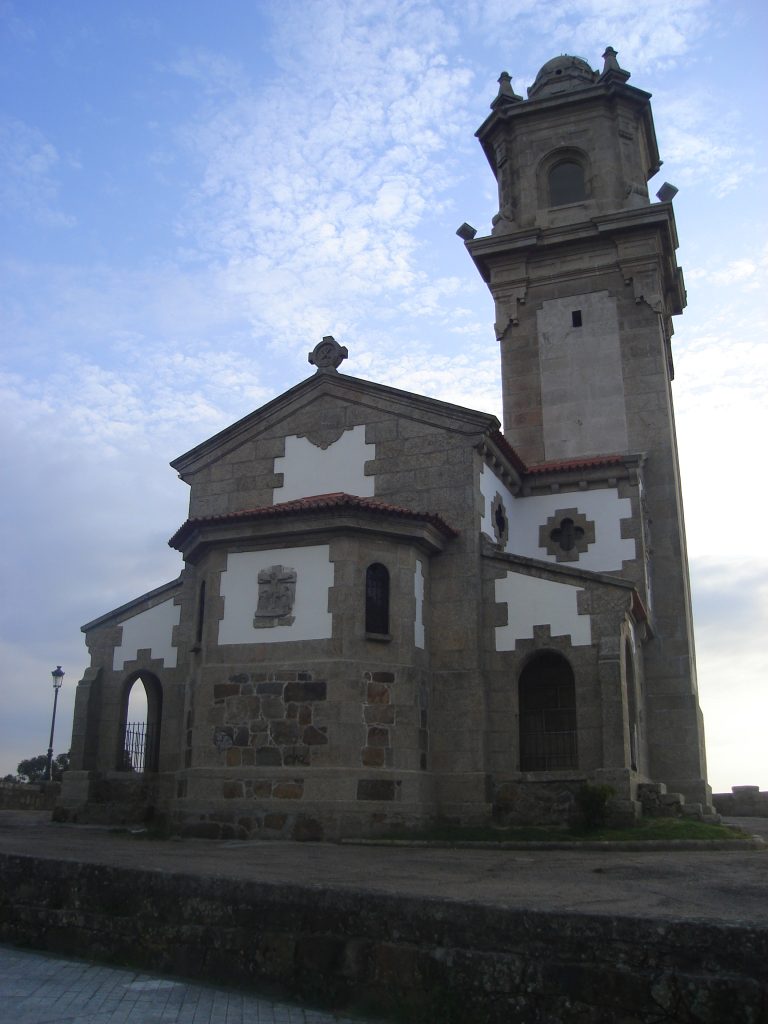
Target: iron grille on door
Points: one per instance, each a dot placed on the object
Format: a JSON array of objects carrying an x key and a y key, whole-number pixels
[
  {"x": 547, "y": 715},
  {"x": 138, "y": 740}
]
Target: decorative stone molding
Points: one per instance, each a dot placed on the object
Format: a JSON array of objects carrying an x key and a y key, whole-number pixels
[
  {"x": 646, "y": 282},
  {"x": 277, "y": 595},
  {"x": 500, "y": 520},
  {"x": 506, "y": 310},
  {"x": 324, "y": 437},
  {"x": 567, "y": 534}
]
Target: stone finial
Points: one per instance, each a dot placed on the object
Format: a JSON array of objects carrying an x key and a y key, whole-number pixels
[
  {"x": 327, "y": 355},
  {"x": 611, "y": 69},
  {"x": 506, "y": 94}
]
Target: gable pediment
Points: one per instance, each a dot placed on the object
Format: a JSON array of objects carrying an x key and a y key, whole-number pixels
[{"x": 332, "y": 394}]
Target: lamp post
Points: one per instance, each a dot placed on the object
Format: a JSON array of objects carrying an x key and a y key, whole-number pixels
[{"x": 58, "y": 677}]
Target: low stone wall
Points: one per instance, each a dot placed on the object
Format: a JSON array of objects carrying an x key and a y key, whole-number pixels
[
  {"x": 742, "y": 802},
  {"x": 421, "y": 960},
  {"x": 29, "y": 796}
]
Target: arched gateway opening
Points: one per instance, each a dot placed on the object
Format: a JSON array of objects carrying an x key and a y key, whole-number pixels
[
  {"x": 139, "y": 733},
  {"x": 547, "y": 696}
]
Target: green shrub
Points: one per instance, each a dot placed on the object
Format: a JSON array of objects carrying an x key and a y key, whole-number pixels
[{"x": 592, "y": 806}]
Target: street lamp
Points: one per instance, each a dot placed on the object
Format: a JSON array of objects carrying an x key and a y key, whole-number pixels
[{"x": 58, "y": 677}]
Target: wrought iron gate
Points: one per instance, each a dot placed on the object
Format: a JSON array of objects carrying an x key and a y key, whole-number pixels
[{"x": 137, "y": 744}]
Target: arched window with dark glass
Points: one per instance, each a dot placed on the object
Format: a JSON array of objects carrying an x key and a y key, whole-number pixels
[
  {"x": 566, "y": 183},
  {"x": 547, "y": 696},
  {"x": 377, "y": 599}
]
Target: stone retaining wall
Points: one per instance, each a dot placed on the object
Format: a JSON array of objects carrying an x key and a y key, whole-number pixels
[
  {"x": 29, "y": 796},
  {"x": 421, "y": 960},
  {"x": 742, "y": 802}
]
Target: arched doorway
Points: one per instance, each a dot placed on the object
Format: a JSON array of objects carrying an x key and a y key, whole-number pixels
[
  {"x": 633, "y": 708},
  {"x": 141, "y": 713},
  {"x": 547, "y": 703}
]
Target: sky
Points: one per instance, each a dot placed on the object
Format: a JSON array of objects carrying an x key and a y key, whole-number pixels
[{"x": 193, "y": 194}]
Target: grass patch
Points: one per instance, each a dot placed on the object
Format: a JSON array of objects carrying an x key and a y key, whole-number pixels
[{"x": 647, "y": 829}]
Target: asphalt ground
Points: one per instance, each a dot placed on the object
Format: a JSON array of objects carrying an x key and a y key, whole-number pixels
[{"x": 725, "y": 885}]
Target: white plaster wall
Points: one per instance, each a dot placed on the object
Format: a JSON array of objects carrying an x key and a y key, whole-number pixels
[
  {"x": 240, "y": 590},
  {"x": 534, "y": 602},
  {"x": 418, "y": 586},
  {"x": 582, "y": 385},
  {"x": 490, "y": 486},
  {"x": 526, "y": 515},
  {"x": 151, "y": 629},
  {"x": 309, "y": 470}
]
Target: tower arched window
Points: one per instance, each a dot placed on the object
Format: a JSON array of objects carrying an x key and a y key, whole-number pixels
[
  {"x": 547, "y": 702},
  {"x": 566, "y": 183},
  {"x": 377, "y": 599}
]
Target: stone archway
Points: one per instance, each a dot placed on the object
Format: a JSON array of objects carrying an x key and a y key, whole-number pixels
[
  {"x": 547, "y": 703},
  {"x": 634, "y": 710},
  {"x": 139, "y": 740}
]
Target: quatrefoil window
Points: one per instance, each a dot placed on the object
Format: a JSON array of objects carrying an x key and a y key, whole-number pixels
[{"x": 567, "y": 534}]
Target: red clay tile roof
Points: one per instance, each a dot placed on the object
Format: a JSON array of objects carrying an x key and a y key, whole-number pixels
[
  {"x": 504, "y": 446},
  {"x": 597, "y": 460},
  {"x": 551, "y": 467},
  {"x": 314, "y": 503}
]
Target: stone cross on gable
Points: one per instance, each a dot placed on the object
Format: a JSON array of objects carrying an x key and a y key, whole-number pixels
[{"x": 328, "y": 355}]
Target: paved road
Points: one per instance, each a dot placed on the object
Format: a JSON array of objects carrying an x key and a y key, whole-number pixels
[{"x": 39, "y": 989}]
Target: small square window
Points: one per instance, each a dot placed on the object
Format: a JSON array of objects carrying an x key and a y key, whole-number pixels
[{"x": 576, "y": 318}]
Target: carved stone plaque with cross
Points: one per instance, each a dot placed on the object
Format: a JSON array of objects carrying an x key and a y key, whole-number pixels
[{"x": 277, "y": 594}]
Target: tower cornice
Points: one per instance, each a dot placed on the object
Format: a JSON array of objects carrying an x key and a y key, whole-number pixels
[
  {"x": 515, "y": 249},
  {"x": 502, "y": 120}
]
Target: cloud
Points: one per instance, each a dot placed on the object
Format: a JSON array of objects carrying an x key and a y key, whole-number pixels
[
  {"x": 721, "y": 394},
  {"x": 647, "y": 36},
  {"x": 317, "y": 191},
  {"x": 214, "y": 72},
  {"x": 730, "y": 599},
  {"x": 28, "y": 185},
  {"x": 21, "y": 29},
  {"x": 703, "y": 138},
  {"x": 746, "y": 272}
]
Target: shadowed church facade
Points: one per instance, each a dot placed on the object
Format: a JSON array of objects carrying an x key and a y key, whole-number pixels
[{"x": 391, "y": 611}]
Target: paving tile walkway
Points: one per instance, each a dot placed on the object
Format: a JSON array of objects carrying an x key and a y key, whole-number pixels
[{"x": 37, "y": 988}]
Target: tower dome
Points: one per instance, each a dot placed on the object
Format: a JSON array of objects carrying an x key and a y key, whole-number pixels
[{"x": 562, "y": 74}]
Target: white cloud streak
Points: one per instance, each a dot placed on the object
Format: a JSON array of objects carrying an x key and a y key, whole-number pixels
[{"x": 28, "y": 175}]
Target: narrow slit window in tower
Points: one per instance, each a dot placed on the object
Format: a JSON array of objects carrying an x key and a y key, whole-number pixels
[{"x": 377, "y": 599}]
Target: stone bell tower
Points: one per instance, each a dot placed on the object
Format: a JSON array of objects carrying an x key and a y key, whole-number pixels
[{"x": 582, "y": 269}]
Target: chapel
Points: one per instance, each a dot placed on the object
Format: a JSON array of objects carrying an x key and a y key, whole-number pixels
[{"x": 394, "y": 611}]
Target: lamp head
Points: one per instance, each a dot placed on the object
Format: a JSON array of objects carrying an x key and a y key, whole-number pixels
[
  {"x": 466, "y": 232},
  {"x": 666, "y": 193}
]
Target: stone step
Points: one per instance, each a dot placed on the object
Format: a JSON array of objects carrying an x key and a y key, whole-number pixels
[
  {"x": 657, "y": 788},
  {"x": 670, "y": 799},
  {"x": 693, "y": 811}
]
